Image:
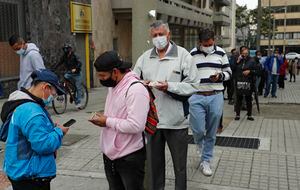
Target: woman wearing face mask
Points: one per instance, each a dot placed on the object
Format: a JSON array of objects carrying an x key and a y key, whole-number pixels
[
  {"x": 33, "y": 138},
  {"x": 244, "y": 71}
]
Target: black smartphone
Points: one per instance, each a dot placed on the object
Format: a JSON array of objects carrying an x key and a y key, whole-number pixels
[{"x": 69, "y": 123}]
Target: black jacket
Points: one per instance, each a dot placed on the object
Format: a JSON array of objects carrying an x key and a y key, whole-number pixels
[{"x": 71, "y": 62}]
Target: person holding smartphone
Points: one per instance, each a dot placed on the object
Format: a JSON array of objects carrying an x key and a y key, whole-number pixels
[
  {"x": 33, "y": 138},
  {"x": 206, "y": 106},
  {"x": 122, "y": 123}
]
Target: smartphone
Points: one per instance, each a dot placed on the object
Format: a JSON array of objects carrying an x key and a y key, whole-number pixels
[{"x": 69, "y": 123}]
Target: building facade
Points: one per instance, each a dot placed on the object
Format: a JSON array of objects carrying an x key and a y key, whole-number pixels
[
  {"x": 127, "y": 23},
  {"x": 286, "y": 31}
]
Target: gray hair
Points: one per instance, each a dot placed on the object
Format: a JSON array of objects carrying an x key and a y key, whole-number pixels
[{"x": 158, "y": 24}]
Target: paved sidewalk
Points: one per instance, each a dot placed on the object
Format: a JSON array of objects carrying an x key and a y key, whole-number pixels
[{"x": 275, "y": 165}]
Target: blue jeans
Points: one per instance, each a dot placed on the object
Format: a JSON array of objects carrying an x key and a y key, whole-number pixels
[
  {"x": 205, "y": 115},
  {"x": 271, "y": 80},
  {"x": 77, "y": 79}
]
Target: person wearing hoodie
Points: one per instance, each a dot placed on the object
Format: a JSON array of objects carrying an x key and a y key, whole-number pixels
[
  {"x": 122, "y": 123},
  {"x": 33, "y": 138},
  {"x": 30, "y": 59}
]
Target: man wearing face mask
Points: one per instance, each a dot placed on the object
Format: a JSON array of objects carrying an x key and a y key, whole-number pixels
[
  {"x": 206, "y": 106},
  {"x": 167, "y": 68},
  {"x": 122, "y": 123},
  {"x": 33, "y": 138},
  {"x": 272, "y": 66},
  {"x": 30, "y": 59},
  {"x": 72, "y": 66}
]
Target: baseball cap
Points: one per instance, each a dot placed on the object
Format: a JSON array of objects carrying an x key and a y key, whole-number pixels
[
  {"x": 48, "y": 76},
  {"x": 110, "y": 60}
]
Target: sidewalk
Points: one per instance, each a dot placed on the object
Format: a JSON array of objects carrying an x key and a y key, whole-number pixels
[{"x": 274, "y": 165}]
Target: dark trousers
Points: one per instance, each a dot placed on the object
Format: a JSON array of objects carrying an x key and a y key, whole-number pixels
[
  {"x": 126, "y": 173},
  {"x": 291, "y": 76},
  {"x": 262, "y": 83},
  {"x": 178, "y": 144},
  {"x": 281, "y": 81},
  {"x": 238, "y": 105},
  {"x": 229, "y": 86},
  {"x": 30, "y": 185}
]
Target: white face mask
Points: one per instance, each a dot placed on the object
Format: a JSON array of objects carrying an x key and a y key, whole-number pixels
[
  {"x": 160, "y": 42},
  {"x": 207, "y": 49},
  {"x": 20, "y": 51}
]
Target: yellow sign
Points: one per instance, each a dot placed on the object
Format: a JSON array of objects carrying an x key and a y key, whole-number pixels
[{"x": 81, "y": 17}]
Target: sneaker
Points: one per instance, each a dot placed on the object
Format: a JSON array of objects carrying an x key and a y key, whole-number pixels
[
  {"x": 250, "y": 118},
  {"x": 237, "y": 118},
  {"x": 205, "y": 168},
  {"x": 78, "y": 106}
]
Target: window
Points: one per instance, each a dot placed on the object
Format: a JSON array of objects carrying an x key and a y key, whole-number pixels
[{"x": 8, "y": 20}]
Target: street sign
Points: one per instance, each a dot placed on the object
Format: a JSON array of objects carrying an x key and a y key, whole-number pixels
[{"x": 81, "y": 17}]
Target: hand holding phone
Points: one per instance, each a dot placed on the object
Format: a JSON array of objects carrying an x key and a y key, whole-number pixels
[
  {"x": 214, "y": 77},
  {"x": 69, "y": 123}
]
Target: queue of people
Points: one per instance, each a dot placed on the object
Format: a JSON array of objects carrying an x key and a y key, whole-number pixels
[{"x": 188, "y": 89}]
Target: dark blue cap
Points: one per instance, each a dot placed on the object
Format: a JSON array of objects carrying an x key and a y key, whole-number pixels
[{"x": 48, "y": 76}]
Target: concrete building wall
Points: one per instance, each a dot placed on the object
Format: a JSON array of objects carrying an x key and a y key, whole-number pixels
[{"x": 103, "y": 28}]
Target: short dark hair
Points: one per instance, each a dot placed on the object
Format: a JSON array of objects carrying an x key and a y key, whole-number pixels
[
  {"x": 257, "y": 51},
  {"x": 243, "y": 47},
  {"x": 206, "y": 34},
  {"x": 14, "y": 39},
  {"x": 233, "y": 50}
]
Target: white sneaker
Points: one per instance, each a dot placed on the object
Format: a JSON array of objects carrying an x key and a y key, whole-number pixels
[
  {"x": 205, "y": 168},
  {"x": 78, "y": 106}
]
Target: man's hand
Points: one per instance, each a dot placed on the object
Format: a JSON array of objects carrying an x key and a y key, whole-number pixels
[
  {"x": 73, "y": 70},
  {"x": 145, "y": 82},
  {"x": 162, "y": 86},
  {"x": 99, "y": 119},
  {"x": 246, "y": 72},
  {"x": 215, "y": 77},
  {"x": 64, "y": 129}
]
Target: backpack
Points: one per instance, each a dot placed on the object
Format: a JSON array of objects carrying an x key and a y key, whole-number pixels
[
  {"x": 152, "y": 118},
  {"x": 6, "y": 115}
]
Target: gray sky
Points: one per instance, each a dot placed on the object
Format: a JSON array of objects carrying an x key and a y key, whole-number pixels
[{"x": 251, "y": 4}]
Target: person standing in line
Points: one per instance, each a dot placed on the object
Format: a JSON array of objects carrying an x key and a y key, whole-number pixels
[
  {"x": 206, "y": 106},
  {"x": 282, "y": 72},
  {"x": 30, "y": 59},
  {"x": 122, "y": 123},
  {"x": 245, "y": 71},
  {"x": 168, "y": 69},
  {"x": 272, "y": 66},
  {"x": 293, "y": 69}
]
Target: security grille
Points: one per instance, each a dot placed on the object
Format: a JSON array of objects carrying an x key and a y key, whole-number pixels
[
  {"x": 8, "y": 20},
  {"x": 237, "y": 142}
]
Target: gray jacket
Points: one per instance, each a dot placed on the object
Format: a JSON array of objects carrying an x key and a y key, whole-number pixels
[
  {"x": 29, "y": 62},
  {"x": 177, "y": 62}
]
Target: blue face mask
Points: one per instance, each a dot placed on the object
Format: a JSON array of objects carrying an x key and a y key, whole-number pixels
[{"x": 48, "y": 101}]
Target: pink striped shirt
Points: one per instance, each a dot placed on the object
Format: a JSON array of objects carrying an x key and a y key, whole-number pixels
[{"x": 126, "y": 118}]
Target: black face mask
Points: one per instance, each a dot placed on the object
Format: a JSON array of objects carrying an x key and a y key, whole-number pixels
[{"x": 109, "y": 82}]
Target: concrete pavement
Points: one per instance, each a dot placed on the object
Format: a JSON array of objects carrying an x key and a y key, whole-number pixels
[{"x": 275, "y": 165}]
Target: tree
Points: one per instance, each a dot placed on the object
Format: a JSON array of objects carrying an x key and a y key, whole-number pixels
[
  {"x": 243, "y": 23},
  {"x": 265, "y": 20}
]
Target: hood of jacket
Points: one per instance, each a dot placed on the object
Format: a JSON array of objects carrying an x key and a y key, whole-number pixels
[
  {"x": 31, "y": 47},
  {"x": 17, "y": 98}
]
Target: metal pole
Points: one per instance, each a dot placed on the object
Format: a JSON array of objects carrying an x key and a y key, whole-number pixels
[
  {"x": 269, "y": 45},
  {"x": 258, "y": 32},
  {"x": 284, "y": 29},
  {"x": 273, "y": 37}
]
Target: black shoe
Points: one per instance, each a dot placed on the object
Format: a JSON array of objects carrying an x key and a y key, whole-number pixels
[
  {"x": 230, "y": 102},
  {"x": 265, "y": 96},
  {"x": 274, "y": 96},
  {"x": 237, "y": 118},
  {"x": 250, "y": 118}
]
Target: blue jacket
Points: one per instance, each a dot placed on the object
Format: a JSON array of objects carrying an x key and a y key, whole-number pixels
[
  {"x": 31, "y": 143},
  {"x": 268, "y": 65}
]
